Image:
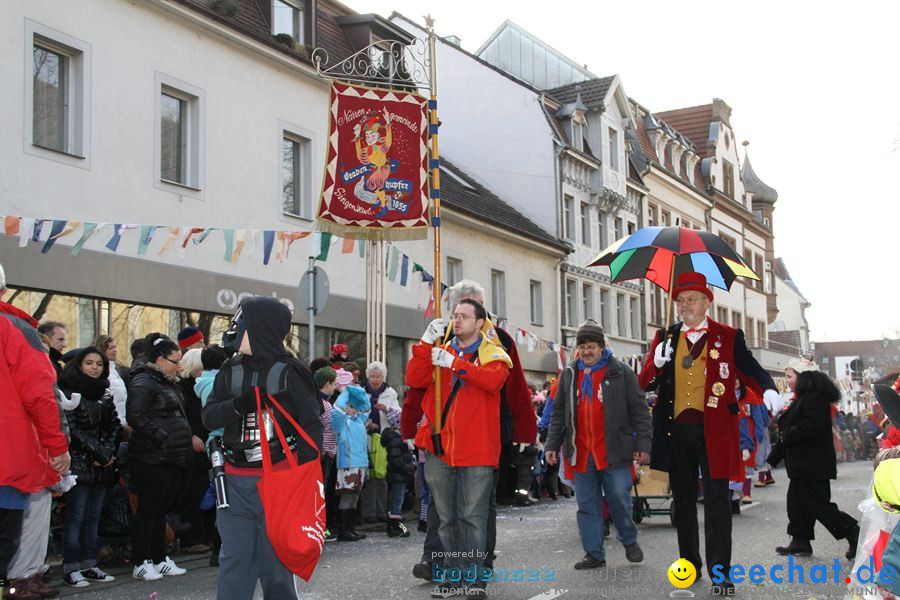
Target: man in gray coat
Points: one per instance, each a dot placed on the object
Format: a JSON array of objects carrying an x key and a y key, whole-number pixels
[{"x": 601, "y": 421}]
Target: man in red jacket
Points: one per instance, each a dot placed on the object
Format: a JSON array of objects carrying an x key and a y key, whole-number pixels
[
  {"x": 33, "y": 439},
  {"x": 460, "y": 469},
  {"x": 517, "y": 426}
]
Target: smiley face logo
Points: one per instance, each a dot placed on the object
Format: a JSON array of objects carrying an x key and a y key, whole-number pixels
[{"x": 682, "y": 573}]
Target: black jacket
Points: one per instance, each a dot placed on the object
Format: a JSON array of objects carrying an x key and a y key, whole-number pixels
[
  {"x": 805, "y": 441},
  {"x": 401, "y": 467},
  {"x": 155, "y": 410},
  {"x": 267, "y": 322},
  {"x": 192, "y": 408},
  {"x": 95, "y": 432}
]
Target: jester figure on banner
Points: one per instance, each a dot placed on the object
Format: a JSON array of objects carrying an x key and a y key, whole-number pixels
[{"x": 376, "y": 184}]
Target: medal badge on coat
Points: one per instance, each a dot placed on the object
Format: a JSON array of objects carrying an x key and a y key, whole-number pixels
[
  {"x": 723, "y": 371},
  {"x": 718, "y": 388}
]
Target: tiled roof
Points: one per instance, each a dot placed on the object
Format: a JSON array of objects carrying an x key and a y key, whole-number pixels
[
  {"x": 463, "y": 194},
  {"x": 593, "y": 91},
  {"x": 649, "y": 151},
  {"x": 249, "y": 20},
  {"x": 693, "y": 122}
]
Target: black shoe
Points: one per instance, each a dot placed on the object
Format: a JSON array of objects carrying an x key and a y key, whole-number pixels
[
  {"x": 735, "y": 507},
  {"x": 726, "y": 588},
  {"x": 853, "y": 540},
  {"x": 423, "y": 526},
  {"x": 347, "y": 535},
  {"x": 397, "y": 529},
  {"x": 423, "y": 570},
  {"x": 589, "y": 562},
  {"x": 797, "y": 547},
  {"x": 523, "y": 500},
  {"x": 633, "y": 553}
]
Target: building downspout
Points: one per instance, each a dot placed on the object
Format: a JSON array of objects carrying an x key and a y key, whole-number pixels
[{"x": 557, "y": 168}]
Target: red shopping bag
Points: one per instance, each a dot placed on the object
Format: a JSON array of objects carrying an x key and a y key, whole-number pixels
[{"x": 293, "y": 500}]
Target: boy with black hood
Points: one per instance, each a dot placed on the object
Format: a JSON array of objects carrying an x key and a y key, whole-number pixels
[{"x": 257, "y": 332}]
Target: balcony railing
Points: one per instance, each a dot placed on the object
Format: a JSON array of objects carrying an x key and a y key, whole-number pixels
[{"x": 766, "y": 344}]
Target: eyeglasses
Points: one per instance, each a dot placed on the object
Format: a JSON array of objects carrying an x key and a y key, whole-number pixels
[
  {"x": 174, "y": 362},
  {"x": 457, "y": 317},
  {"x": 681, "y": 300},
  {"x": 588, "y": 347}
]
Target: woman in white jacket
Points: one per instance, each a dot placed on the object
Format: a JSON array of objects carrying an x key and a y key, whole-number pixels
[{"x": 383, "y": 398}]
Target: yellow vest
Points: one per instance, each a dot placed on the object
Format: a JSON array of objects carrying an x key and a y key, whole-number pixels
[{"x": 690, "y": 384}]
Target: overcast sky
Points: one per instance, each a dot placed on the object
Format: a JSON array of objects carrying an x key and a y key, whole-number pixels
[{"x": 815, "y": 91}]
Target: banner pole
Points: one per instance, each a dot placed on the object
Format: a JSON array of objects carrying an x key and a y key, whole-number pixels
[{"x": 435, "y": 189}]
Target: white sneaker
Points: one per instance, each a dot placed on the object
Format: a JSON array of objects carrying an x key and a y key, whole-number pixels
[
  {"x": 146, "y": 572},
  {"x": 169, "y": 568}
]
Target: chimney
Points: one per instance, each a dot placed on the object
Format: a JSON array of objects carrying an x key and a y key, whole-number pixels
[{"x": 721, "y": 111}]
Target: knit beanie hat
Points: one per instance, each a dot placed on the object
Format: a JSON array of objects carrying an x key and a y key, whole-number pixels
[
  {"x": 800, "y": 365},
  {"x": 324, "y": 375},
  {"x": 189, "y": 336},
  {"x": 590, "y": 331},
  {"x": 343, "y": 378}
]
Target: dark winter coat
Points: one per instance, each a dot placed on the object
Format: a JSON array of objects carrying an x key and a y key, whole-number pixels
[
  {"x": 162, "y": 435},
  {"x": 805, "y": 441},
  {"x": 401, "y": 464},
  {"x": 192, "y": 409},
  {"x": 95, "y": 431}
]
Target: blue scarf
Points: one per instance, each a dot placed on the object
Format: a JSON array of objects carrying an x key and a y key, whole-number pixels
[
  {"x": 587, "y": 382},
  {"x": 454, "y": 343}
]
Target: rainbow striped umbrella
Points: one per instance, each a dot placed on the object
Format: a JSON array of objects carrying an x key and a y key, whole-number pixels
[{"x": 660, "y": 254}]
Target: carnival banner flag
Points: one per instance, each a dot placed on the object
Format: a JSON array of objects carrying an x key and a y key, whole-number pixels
[{"x": 375, "y": 184}]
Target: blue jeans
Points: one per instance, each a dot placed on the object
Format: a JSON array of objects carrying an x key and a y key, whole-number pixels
[
  {"x": 462, "y": 498},
  {"x": 616, "y": 486},
  {"x": 80, "y": 527},
  {"x": 398, "y": 491}
]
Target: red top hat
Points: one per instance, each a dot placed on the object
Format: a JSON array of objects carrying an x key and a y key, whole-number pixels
[{"x": 692, "y": 282}]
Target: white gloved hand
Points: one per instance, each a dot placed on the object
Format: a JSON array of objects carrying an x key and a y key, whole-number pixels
[
  {"x": 773, "y": 401},
  {"x": 442, "y": 358},
  {"x": 522, "y": 447},
  {"x": 68, "y": 403},
  {"x": 663, "y": 354},
  {"x": 745, "y": 454},
  {"x": 411, "y": 444},
  {"x": 434, "y": 331}
]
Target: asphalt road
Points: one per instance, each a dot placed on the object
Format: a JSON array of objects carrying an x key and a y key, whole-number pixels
[{"x": 544, "y": 539}]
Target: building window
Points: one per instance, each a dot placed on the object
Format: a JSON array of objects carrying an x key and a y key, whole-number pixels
[
  {"x": 613, "y": 149},
  {"x": 587, "y": 301},
  {"x": 656, "y": 305},
  {"x": 604, "y": 308},
  {"x": 736, "y": 319},
  {"x": 729, "y": 240},
  {"x": 634, "y": 317},
  {"x": 585, "y": 224},
  {"x": 621, "y": 323},
  {"x": 454, "y": 270},
  {"x": 631, "y": 227},
  {"x": 57, "y": 102},
  {"x": 288, "y": 17},
  {"x": 749, "y": 330},
  {"x": 728, "y": 178},
  {"x": 619, "y": 226},
  {"x": 761, "y": 334},
  {"x": 295, "y": 195},
  {"x": 722, "y": 315},
  {"x": 577, "y": 134},
  {"x": 537, "y": 303},
  {"x": 601, "y": 233},
  {"x": 652, "y": 215},
  {"x": 498, "y": 292},
  {"x": 179, "y": 133},
  {"x": 571, "y": 306},
  {"x": 758, "y": 268},
  {"x": 569, "y": 217},
  {"x": 666, "y": 218}
]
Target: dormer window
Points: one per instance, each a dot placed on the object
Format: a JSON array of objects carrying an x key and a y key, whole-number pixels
[
  {"x": 613, "y": 149},
  {"x": 289, "y": 16},
  {"x": 577, "y": 134}
]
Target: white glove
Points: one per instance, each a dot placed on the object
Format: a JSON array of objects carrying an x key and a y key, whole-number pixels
[
  {"x": 442, "y": 358},
  {"x": 522, "y": 447},
  {"x": 411, "y": 444},
  {"x": 745, "y": 454},
  {"x": 434, "y": 331},
  {"x": 773, "y": 401},
  {"x": 68, "y": 403},
  {"x": 663, "y": 354}
]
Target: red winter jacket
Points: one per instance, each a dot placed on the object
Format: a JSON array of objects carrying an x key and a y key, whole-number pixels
[
  {"x": 28, "y": 408},
  {"x": 515, "y": 394},
  {"x": 471, "y": 434}
]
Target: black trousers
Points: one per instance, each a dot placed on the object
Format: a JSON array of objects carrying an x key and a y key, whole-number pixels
[
  {"x": 193, "y": 488},
  {"x": 158, "y": 488},
  {"x": 432, "y": 549},
  {"x": 689, "y": 455},
  {"x": 808, "y": 501},
  {"x": 10, "y": 532}
]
